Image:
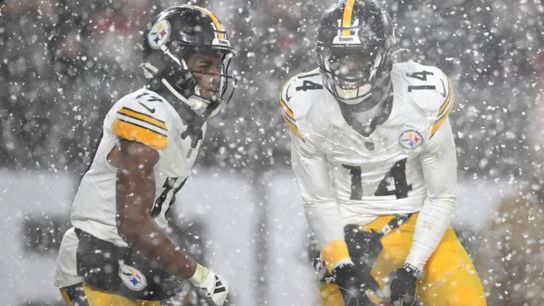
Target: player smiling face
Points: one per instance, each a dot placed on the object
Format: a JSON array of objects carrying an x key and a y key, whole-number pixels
[
  {"x": 207, "y": 68},
  {"x": 351, "y": 69}
]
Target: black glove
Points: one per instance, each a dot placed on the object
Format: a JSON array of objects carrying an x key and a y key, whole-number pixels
[
  {"x": 353, "y": 284},
  {"x": 364, "y": 247},
  {"x": 403, "y": 286}
]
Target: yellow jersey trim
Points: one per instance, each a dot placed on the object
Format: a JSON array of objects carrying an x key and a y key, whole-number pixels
[
  {"x": 292, "y": 126},
  {"x": 448, "y": 99},
  {"x": 444, "y": 111},
  {"x": 143, "y": 117},
  {"x": 133, "y": 132},
  {"x": 286, "y": 109}
]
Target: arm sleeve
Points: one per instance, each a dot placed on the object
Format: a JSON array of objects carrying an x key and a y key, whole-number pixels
[
  {"x": 312, "y": 174},
  {"x": 439, "y": 164}
]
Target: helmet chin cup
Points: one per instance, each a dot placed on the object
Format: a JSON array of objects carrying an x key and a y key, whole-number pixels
[
  {"x": 149, "y": 70},
  {"x": 195, "y": 102},
  {"x": 198, "y": 104},
  {"x": 353, "y": 96},
  {"x": 215, "y": 111}
]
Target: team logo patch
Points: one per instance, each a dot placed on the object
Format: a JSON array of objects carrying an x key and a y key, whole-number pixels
[
  {"x": 132, "y": 277},
  {"x": 410, "y": 139},
  {"x": 159, "y": 34}
]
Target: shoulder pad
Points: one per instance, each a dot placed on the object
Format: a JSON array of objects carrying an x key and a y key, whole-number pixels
[
  {"x": 140, "y": 116},
  {"x": 295, "y": 99},
  {"x": 430, "y": 90}
]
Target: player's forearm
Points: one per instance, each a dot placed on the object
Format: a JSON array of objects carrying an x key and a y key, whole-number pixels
[
  {"x": 321, "y": 209},
  {"x": 326, "y": 222},
  {"x": 148, "y": 238},
  {"x": 439, "y": 164},
  {"x": 432, "y": 222},
  {"x": 135, "y": 196}
]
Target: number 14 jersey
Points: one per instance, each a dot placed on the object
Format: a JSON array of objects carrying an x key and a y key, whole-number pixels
[{"x": 407, "y": 160}]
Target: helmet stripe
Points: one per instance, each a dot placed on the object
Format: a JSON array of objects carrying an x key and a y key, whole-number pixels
[
  {"x": 346, "y": 17},
  {"x": 218, "y": 27}
]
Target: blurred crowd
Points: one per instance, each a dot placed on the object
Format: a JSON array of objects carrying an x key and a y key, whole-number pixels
[{"x": 64, "y": 62}]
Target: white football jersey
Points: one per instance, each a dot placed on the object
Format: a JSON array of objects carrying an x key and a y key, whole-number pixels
[
  {"x": 146, "y": 117},
  {"x": 407, "y": 161},
  {"x": 142, "y": 116}
]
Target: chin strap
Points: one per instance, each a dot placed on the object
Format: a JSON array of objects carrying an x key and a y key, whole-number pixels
[
  {"x": 383, "y": 111},
  {"x": 195, "y": 102},
  {"x": 149, "y": 70}
]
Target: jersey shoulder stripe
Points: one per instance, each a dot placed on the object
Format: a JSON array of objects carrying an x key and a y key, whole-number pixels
[
  {"x": 430, "y": 90},
  {"x": 287, "y": 111},
  {"x": 134, "y": 132},
  {"x": 293, "y": 127},
  {"x": 444, "y": 110},
  {"x": 288, "y": 114},
  {"x": 127, "y": 113},
  {"x": 294, "y": 100},
  {"x": 141, "y": 116}
]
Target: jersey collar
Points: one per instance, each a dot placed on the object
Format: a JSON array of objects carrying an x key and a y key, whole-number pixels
[{"x": 382, "y": 116}]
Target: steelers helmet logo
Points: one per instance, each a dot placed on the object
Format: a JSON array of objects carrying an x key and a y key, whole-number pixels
[
  {"x": 159, "y": 34},
  {"x": 410, "y": 139}
]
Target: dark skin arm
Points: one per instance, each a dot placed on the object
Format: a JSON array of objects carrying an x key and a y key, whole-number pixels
[{"x": 135, "y": 189}]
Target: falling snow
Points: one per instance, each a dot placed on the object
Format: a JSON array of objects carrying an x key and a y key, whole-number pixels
[{"x": 63, "y": 63}]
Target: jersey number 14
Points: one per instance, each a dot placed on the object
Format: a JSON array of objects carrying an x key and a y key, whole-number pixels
[{"x": 394, "y": 182}]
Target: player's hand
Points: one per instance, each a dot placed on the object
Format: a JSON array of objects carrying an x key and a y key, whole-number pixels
[
  {"x": 213, "y": 286},
  {"x": 403, "y": 286},
  {"x": 353, "y": 284}
]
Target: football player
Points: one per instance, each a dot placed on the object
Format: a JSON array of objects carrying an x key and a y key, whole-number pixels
[
  {"x": 117, "y": 252},
  {"x": 374, "y": 157}
]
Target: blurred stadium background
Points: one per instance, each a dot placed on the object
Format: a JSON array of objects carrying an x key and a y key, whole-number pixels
[{"x": 64, "y": 62}]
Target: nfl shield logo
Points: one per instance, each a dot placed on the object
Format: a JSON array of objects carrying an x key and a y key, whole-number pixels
[{"x": 410, "y": 139}]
